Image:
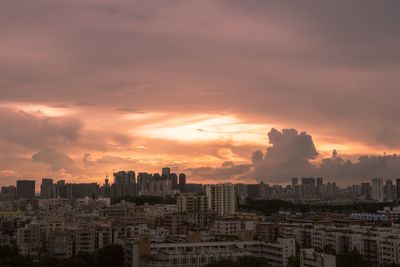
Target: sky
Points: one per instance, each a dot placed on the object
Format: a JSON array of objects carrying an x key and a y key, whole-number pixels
[{"x": 238, "y": 90}]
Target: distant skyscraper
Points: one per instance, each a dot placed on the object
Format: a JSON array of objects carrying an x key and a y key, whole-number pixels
[
  {"x": 366, "y": 190},
  {"x": 166, "y": 171},
  {"x": 61, "y": 189},
  {"x": 131, "y": 177},
  {"x": 295, "y": 181},
  {"x": 307, "y": 187},
  {"x": 174, "y": 181},
  {"x": 377, "y": 189},
  {"x": 182, "y": 182},
  {"x": 320, "y": 182},
  {"x": 389, "y": 190},
  {"x": 8, "y": 193},
  {"x": 25, "y": 189},
  {"x": 398, "y": 188},
  {"x": 46, "y": 189}
]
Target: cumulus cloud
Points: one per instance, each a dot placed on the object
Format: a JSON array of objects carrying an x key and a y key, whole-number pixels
[
  {"x": 288, "y": 155},
  {"x": 292, "y": 154},
  {"x": 57, "y": 160}
]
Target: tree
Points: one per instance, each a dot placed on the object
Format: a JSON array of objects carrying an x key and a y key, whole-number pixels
[
  {"x": 351, "y": 259},
  {"x": 294, "y": 261},
  {"x": 109, "y": 256}
]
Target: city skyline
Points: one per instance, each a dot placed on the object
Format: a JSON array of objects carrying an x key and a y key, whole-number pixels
[{"x": 232, "y": 90}]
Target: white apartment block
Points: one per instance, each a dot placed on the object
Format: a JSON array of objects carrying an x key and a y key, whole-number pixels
[{"x": 200, "y": 254}]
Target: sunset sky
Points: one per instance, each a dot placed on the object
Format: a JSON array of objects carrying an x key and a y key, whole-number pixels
[{"x": 205, "y": 87}]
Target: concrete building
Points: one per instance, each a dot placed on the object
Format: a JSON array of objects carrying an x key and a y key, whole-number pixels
[
  {"x": 47, "y": 189},
  {"x": 190, "y": 202},
  {"x": 377, "y": 189},
  {"x": 182, "y": 182},
  {"x": 8, "y": 193},
  {"x": 389, "y": 191},
  {"x": 221, "y": 198},
  {"x": 146, "y": 254},
  {"x": 25, "y": 189},
  {"x": 310, "y": 258}
]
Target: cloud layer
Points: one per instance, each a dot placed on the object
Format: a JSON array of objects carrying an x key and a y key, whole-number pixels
[{"x": 193, "y": 84}]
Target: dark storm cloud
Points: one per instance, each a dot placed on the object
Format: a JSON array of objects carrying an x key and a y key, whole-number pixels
[
  {"x": 228, "y": 170},
  {"x": 289, "y": 155}
]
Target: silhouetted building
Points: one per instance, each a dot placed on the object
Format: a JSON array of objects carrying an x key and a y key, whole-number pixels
[
  {"x": 25, "y": 189},
  {"x": 8, "y": 193},
  {"x": 389, "y": 191},
  {"x": 366, "y": 190},
  {"x": 47, "y": 189},
  {"x": 182, "y": 182},
  {"x": 377, "y": 189},
  {"x": 174, "y": 181},
  {"x": 398, "y": 188},
  {"x": 61, "y": 189}
]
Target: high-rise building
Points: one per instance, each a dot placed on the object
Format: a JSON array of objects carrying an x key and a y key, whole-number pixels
[
  {"x": 398, "y": 188},
  {"x": 174, "y": 181},
  {"x": 389, "y": 191},
  {"x": 125, "y": 177},
  {"x": 165, "y": 172},
  {"x": 47, "y": 189},
  {"x": 131, "y": 177},
  {"x": 25, "y": 189},
  {"x": 366, "y": 190},
  {"x": 61, "y": 189},
  {"x": 221, "y": 198},
  {"x": 320, "y": 182},
  {"x": 377, "y": 189},
  {"x": 8, "y": 193},
  {"x": 307, "y": 187},
  {"x": 182, "y": 182}
]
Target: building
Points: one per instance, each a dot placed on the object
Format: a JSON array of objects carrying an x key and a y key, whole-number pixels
[
  {"x": 47, "y": 189},
  {"x": 8, "y": 193},
  {"x": 166, "y": 172},
  {"x": 310, "y": 258},
  {"x": 366, "y": 190},
  {"x": 389, "y": 191},
  {"x": 377, "y": 189},
  {"x": 25, "y": 189},
  {"x": 188, "y": 254},
  {"x": 398, "y": 188},
  {"x": 182, "y": 182},
  {"x": 221, "y": 198},
  {"x": 189, "y": 202}
]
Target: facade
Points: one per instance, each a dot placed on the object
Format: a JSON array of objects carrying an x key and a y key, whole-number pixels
[
  {"x": 47, "y": 189},
  {"x": 377, "y": 189},
  {"x": 139, "y": 253},
  {"x": 182, "y": 182},
  {"x": 310, "y": 258},
  {"x": 8, "y": 193},
  {"x": 222, "y": 198},
  {"x": 25, "y": 189},
  {"x": 190, "y": 202}
]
